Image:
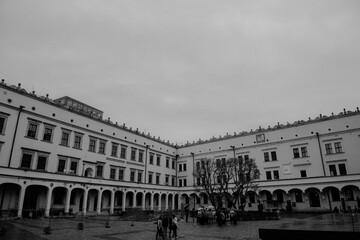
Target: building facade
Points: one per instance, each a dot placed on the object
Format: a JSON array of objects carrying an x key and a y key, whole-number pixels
[{"x": 61, "y": 156}]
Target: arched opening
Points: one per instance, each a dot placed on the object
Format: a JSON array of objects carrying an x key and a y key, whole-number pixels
[
  {"x": 92, "y": 200},
  {"x": 89, "y": 172},
  {"x": 170, "y": 202},
  {"x": 34, "y": 201},
  {"x": 58, "y": 201},
  {"x": 156, "y": 201},
  {"x": 148, "y": 201},
  {"x": 106, "y": 200},
  {"x": 118, "y": 205},
  {"x": 76, "y": 200},
  {"x": 139, "y": 198},
  {"x": 163, "y": 200},
  {"x": 129, "y": 200},
  {"x": 314, "y": 199},
  {"x": 9, "y": 197}
]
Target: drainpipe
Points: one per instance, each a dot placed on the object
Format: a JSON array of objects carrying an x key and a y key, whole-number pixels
[
  {"x": 193, "y": 157},
  {"x": 321, "y": 154},
  {"x": 16, "y": 127},
  {"x": 176, "y": 169},
  {"x": 146, "y": 153}
]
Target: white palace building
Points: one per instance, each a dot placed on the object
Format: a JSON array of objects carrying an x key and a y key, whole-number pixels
[{"x": 61, "y": 156}]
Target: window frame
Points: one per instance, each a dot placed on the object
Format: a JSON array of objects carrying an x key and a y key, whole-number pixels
[
  {"x": 32, "y": 133},
  {"x": 3, "y": 116},
  {"x": 65, "y": 141},
  {"x": 46, "y": 135}
]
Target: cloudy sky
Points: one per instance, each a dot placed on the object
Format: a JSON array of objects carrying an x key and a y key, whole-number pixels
[{"x": 187, "y": 69}]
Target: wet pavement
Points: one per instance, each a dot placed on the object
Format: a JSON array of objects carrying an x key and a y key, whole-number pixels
[{"x": 95, "y": 228}]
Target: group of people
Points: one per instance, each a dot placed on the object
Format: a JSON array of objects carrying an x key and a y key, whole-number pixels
[{"x": 165, "y": 223}]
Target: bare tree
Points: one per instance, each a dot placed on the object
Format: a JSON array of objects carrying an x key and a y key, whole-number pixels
[{"x": 228, "y": 178}]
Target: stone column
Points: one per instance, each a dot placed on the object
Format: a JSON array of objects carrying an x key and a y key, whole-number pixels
[
  {"x": 173, "y": 202},
  {"x": 123, "y": 201},
  {"x": 21, "y": 201},
  {"x": 112, "y": 202},
  {"x": 99, "y": 198},
  {"x": 85, "y": 201},
  {"x": 166, "y": 202},
  {"x": 48, "y": 202},
  {"x": 134, "y": 200},
  {"x": 152, "y": 202},
  {"x": 67, "y": 201},
  {"x": 143, "y": 202}
]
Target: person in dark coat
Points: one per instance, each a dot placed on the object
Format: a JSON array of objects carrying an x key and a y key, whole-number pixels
[{"x": 165, "y": 223}]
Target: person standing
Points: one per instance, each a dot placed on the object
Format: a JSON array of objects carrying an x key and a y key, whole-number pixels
[
  {"x": 170, "y": 226},
  {"x": 187, "y": 213},
  {"x": 174, "y": 226},
  {"x": 165, "y": 223}
]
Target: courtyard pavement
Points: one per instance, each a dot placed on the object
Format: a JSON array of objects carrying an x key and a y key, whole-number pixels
[{"x": 95, "y": 228}]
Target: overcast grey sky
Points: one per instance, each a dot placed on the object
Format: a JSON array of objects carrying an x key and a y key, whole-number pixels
[{"x": 187, "y": 69}]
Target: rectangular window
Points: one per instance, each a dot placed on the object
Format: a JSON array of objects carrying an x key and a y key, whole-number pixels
[
  {"x": 157, "y": 179},
  {"x": 184, "y": 167},
  {"x": 184, "y": 182},
  {"x": 61, "y": 165},
  {"x": 158, "y": 157},
  {"x": 276, "y": 174},
  {"x": 41, "y": 164},
  {"x": 141, "y": 156},
  {"x": 296, "y": 153},
  {"x": 338, "y": 148},
  {"x": 273, "y": 156},
  {"x": 304, "y": 152},
  {"x": 2, "y": 124},
  {"x": 198, "y": 183},
  {"x": 121, "y": 174},
  {"x": 180, "y": 167},
  {"x": 180, "y": 182},
  {"x": 32, "y": 130},
  {"x": 112, "y": 173},
  {"x": 65, "y": 138},
  {"x": 172, "y": 181},
  {"x": 173, "y": 164},
  {"x": 167, "y": 179},
  {"x": 150, "y": 177},
  {"x": 328, "y": 148},
  {"x": 114, "y": 149},
  {"x": 92, "y": 144},
  {"x": 266, "y": 156},
  {"x": 332, "y": 169},
  {"x": 197, "y": 165},
  {"x": 73, "y": 167},
  {"x": 132, "y": 176},
  {"x": 77, "y": 141},
  {"x": 167, "y": 164},
  {"x": 303, "y": 173},
  {"x": 342, "y": 169},
  {"x": 99, "y": 170},
  {"x": 123, "y": 152},
  {"x": 268, "y": 175},
  {"x": 139, "y": 177},
  {"x": 151, "y": 159},
  {"x": 48, "y": 132},
  {"x": 133, "y": 154},
  {"x": 102, "y": 145}
]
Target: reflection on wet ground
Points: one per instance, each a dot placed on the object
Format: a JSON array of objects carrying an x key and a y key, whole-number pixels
[{"x": 329, "y": 222}]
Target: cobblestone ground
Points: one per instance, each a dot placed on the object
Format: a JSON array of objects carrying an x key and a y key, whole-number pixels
[{"x": 95, "y": 228}]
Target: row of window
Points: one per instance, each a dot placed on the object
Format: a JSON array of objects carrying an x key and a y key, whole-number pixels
[
  {"x": 95, "y": 144},
  {"x": 38, "y": 161}
]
